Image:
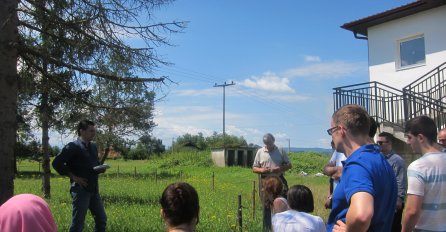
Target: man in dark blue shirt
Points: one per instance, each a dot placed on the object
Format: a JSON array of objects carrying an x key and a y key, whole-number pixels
[
  {"x": 365, "y": 198},
  {"x": 77, "y": 160}
]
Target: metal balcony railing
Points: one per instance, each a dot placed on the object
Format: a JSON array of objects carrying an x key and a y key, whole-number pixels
[
  {"x": 384, "y": 103},
  {"x": 425, "y": 96}
]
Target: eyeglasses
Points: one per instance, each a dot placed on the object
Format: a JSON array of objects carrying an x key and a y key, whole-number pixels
[
  {"x": 381, "y": 142},
  {"x": 332, "y": 130}
]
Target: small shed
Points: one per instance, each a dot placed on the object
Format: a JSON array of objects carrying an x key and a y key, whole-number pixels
[{"x": 234, "y": 156}]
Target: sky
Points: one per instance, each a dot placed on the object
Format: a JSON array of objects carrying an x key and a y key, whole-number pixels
[{"x": 285, "y": 57}]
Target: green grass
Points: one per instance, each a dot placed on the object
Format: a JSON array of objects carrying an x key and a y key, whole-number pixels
[{"x": 131, "y": 197}]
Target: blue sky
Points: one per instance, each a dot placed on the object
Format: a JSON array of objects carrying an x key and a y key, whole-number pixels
[{"x": 284, "y": 56}]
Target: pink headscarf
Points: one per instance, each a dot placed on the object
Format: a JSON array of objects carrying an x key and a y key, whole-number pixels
[{"x": 26, "y": 213}]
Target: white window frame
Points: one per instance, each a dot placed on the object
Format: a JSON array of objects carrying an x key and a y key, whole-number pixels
[{"x": 398, "y": 45}]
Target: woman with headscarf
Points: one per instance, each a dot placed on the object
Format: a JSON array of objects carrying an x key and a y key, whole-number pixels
[{"x": 26, "y": 213}]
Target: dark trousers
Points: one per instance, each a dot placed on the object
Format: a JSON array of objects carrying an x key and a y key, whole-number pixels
[
  {"x": 267, "y": 219},
  {"x": 396, "y": 225},
  {"x": 82, "y": 202}
]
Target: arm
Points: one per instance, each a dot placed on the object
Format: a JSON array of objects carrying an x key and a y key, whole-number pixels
[
  {"x": 329, "y": 169},
  {"x": 60, "y": 161},
  {"x": 60, "y": 165},
  {"x": 412, "y": 212},
  {"x": 260, "y": 170},
  {"x": 360, "y": 212},
  {"x": 401, "y": 180},
  {"x": 285, "y": 167},
  {"x": 334, "y": 172}
]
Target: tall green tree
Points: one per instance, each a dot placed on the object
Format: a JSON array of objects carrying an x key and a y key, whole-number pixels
[{"x": 64, "y": 44}]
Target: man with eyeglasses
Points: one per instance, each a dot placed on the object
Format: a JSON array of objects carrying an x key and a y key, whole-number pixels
[
  {"x": 442, "y": 138},
  {"x": 385, "y": 141},
  {"x": 365, "y": 198},
  {"x": 269, "y": 161}
]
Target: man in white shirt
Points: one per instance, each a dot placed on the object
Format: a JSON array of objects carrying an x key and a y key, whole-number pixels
[
  {"x": 426, "y": 192},
  {"x": 269, "y": 161}
]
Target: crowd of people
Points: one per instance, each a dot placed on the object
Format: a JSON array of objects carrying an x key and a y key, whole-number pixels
[{"x": 370, "y": 187}]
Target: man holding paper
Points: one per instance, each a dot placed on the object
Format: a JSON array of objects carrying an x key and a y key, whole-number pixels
[{"x": 79, "y": 160}]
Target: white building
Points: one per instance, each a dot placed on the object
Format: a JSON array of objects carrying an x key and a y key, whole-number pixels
[{"x": 407, "y": 66}]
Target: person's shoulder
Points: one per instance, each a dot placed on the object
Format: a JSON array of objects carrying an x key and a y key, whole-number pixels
[{"x": 71, "y": 146}]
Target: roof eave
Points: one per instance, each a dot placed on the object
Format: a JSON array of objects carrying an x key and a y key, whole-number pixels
[{"x": 361, "y": 26}]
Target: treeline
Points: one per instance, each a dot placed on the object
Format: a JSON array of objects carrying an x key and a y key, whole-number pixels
[{"x": 143, "y": 148}]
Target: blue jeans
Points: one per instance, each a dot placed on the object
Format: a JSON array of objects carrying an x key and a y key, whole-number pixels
[{"x": 82, "y": 201}]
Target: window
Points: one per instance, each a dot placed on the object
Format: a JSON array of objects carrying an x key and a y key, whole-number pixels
[{"x": 411, "y": 52}]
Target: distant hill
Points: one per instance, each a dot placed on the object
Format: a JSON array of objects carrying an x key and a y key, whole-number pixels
[{"x": 312, "y": 149}]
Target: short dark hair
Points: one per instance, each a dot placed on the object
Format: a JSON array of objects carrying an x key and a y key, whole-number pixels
[
  {"x": 422, "y": 125},
  {"x": 83, "y": 125},
  {"x": 389, "y": 137},
  {"x": 373, "y": 127},
  {"x": 354, "y": 118},
  {"x": 272, "y": 188},
  {"x": 300, "y": 198},
  {"x": 180, "y": 204}
]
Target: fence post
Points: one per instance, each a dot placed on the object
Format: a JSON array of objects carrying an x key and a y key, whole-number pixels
[
  {"x": 118, "y": 171},
  {"x": 135, "y": 172},
  {"x": 239, "y": 213},
  {"x": 156, "y": 176},
  {"x": 213, "y": 182},
  {"x": 253, "y": 199}
]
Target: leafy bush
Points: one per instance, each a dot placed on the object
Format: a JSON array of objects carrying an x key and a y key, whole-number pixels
[{"x": 309, "y": 162}]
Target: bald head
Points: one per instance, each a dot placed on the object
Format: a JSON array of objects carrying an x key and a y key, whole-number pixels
[{"x": 442, "y": 137}]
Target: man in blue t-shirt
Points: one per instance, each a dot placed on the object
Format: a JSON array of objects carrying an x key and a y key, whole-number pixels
[{"x": 365, "y": 197}]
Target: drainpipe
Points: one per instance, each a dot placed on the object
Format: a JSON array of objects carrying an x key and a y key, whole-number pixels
[{"x": 359, "y": 37}]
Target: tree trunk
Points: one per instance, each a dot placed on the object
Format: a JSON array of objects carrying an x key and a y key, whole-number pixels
[
  {"x": 107, "y": 147},
  {"x": 8, "y": 95},
  {"x": 46, "y": 187},
  {"x": 106, "y": 152},
  {"x": 44, "y": 119}
]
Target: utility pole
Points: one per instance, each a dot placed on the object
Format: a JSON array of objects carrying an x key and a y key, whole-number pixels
[
  {"x": 289, "y": 147},
  {"x": 224, "y": 88}
]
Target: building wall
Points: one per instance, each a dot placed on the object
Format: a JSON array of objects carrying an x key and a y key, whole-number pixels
[
  {"x": 383, "y": 46},
  {"x": 233, "y": 157},
  {"x": 218, "y": 157}
]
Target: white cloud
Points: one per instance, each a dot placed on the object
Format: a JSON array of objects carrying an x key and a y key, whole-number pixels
[
  {"x": 333, "y": 69},
  {"x": 312, "y": 58},
  {"x": 269, "y": 81}
]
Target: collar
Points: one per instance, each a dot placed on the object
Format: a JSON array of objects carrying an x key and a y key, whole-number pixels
[
  {"x": 82, "y": 143},
  {"x": 266, "y": 150},
  {"x": 367, "y": 148},
  {"x": 388, "y": 155}
]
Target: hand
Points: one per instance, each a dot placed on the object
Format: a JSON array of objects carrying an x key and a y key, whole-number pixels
[
  {"x": 102, "y": 170},
  {"x": 328, "y": 202},
  {"x": 276, "y": 169},
  {"x": 340, "y": 226},
  {"x": 399, "y": 205},
  {"x": 80, "y": 181}
]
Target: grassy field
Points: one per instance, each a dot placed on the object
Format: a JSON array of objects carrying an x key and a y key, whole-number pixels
[{"x": 131, "y": 191}]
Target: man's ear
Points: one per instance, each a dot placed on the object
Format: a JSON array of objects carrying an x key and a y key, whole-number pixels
[{"x": 421, "y": 138}]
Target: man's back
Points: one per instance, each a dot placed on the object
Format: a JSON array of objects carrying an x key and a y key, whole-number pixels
[{"x": 426, "y": 178}]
